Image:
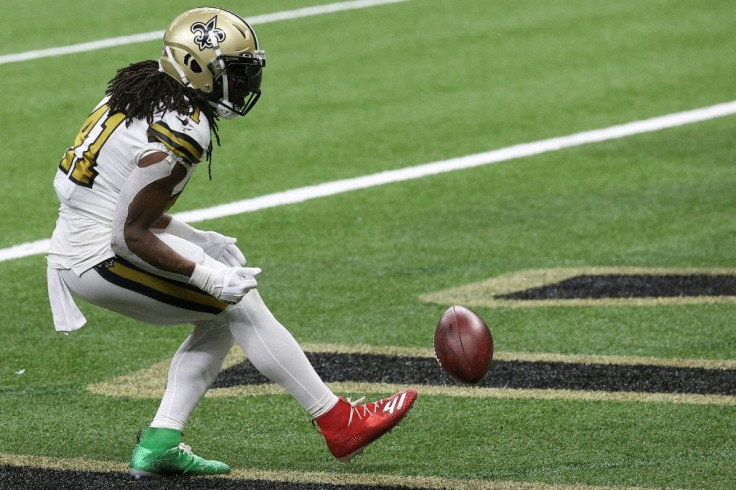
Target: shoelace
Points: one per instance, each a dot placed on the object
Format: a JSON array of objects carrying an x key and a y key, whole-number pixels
[
  {"x": 366, "y": 410},
  {"x": 354, "y": 410},
  {"x": 184, "y": 448}
]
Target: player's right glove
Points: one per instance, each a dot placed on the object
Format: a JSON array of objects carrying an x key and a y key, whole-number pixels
[{"x": 229, "y": 284}]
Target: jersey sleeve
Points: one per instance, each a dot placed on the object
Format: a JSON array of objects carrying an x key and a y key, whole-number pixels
[{"x": 187, "y": 136}]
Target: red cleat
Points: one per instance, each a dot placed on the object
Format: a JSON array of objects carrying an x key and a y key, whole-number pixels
[{"x": 348, "y": 427}]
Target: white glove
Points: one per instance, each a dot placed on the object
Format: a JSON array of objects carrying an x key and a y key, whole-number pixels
[
  {"x": 229, "y": 285},
  {"x": 220, "y": 247}
]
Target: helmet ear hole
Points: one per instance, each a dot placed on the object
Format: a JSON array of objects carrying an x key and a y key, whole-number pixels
[{"x": 192, "y": 63}]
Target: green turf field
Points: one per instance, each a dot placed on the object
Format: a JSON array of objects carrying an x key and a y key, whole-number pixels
[{"x": 358, "y": 92}]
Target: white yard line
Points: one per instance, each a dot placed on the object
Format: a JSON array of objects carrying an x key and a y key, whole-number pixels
[
  {"x": 302, "y": 194},
  {"x": 157, "y": 35}
]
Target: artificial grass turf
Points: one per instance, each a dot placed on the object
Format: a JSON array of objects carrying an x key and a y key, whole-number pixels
[
  {"x": 594, "y": 206},
  {"x": 388, "y": 245},
  {"x": 517, "y": 73},
  {"x": 386, "y": 88},
  {"x": 52, "y": 19},
  {"x": 663, "y": 331},
  {"x": 516, "y": 440}
]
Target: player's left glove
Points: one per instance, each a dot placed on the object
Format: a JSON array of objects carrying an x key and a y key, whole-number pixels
[
  {"x": 220, "y": 247},
  {"x": 229, "y": 284}
]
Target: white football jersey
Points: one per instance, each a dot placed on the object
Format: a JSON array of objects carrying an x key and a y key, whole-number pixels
[{"x": 93, "y": 171}]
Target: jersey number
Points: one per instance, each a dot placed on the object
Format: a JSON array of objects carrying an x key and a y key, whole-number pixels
[{"x": 95, "y": 131}]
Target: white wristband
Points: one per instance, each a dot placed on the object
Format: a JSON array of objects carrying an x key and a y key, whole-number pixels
[{"x": 202, "y": 277}]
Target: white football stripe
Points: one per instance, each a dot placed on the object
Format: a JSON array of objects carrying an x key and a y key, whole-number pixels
[
  {"x": 479, "y": 159},
  {"x": 152, "y": 36},
  {"x": 409, "y": 173}
]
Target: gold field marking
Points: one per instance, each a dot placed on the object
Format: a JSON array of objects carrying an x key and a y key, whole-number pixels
[
  {"x": 149, "y": 382},
  {"x": 480, "y": 392},
  {"x": 72, "y": 464},
  {"x": 80, "y": 464},
  {"x": 403, "y": 481},
  {"x": 483, "y": 293}
]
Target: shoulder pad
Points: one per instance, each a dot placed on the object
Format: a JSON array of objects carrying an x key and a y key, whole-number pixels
[{"x": 185, "y": 135}]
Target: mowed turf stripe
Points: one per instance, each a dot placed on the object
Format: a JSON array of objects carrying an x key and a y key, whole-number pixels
[
  {"x": 157, "y": 35},
  {"x": 20, "y": 471},
  {"x": 335, "y": 187},
  {"x": 150, "y": 382}
]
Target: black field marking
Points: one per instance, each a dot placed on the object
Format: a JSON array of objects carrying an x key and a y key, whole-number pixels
[
  {"x": 376, "y": 368},
  {"x": 631, "y": 286},
  {"x": 13, "y": 477},
  {"x": 595, "y": 286}
]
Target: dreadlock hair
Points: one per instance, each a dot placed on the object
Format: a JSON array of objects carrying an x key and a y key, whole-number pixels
[{"x": 140, "y": 90}]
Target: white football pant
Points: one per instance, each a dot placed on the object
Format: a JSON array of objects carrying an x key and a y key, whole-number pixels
[{"x": 141, "y": 295}]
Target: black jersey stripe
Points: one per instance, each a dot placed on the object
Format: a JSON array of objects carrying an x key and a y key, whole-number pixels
[
  {"x": 126, "y": 275},
  {"x": 179, "y": 143}
]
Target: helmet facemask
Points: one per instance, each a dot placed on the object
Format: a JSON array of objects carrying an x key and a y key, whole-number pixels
[{"x": 237, "y": 83}]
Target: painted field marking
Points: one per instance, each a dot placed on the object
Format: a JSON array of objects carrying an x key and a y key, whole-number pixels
[
  {"x": 271, "y": 389},
  {"x": 157, "y": 35},
  {"x": 149, "y": 382},
  {"x": 489, "y": 293},
  {"x": 286, "y": 476},
  {"x": 326, "y": 189}
]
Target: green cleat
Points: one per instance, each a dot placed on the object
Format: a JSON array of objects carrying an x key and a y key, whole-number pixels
[
  {"x": 178, "y": 460},
  {"x": 155, "y": 460}
]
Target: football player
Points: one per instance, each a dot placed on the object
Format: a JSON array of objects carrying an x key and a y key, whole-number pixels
[{"x": 114, "y": 245}]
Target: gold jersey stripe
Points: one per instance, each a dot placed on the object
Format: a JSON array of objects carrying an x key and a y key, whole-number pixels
[
  {"x": 195, "y": 115},
  {"x": 164, "y": 286},
  {"x": 179, "y": 143}
]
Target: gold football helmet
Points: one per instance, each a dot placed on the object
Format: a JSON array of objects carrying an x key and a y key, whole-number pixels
[{"x": 215, "y": 51}]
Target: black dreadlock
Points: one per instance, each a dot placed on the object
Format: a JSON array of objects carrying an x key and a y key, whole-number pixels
[{"x": 139, "y": 90}]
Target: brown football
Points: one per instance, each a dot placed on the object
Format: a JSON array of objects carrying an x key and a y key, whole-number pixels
[{"x": 463, "y": 344}]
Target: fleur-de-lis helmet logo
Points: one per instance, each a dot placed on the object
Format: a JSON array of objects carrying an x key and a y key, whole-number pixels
[{"x": 202, "y": 32}]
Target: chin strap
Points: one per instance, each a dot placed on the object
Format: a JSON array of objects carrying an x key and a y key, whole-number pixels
[{"x": 224, "y": 107}]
